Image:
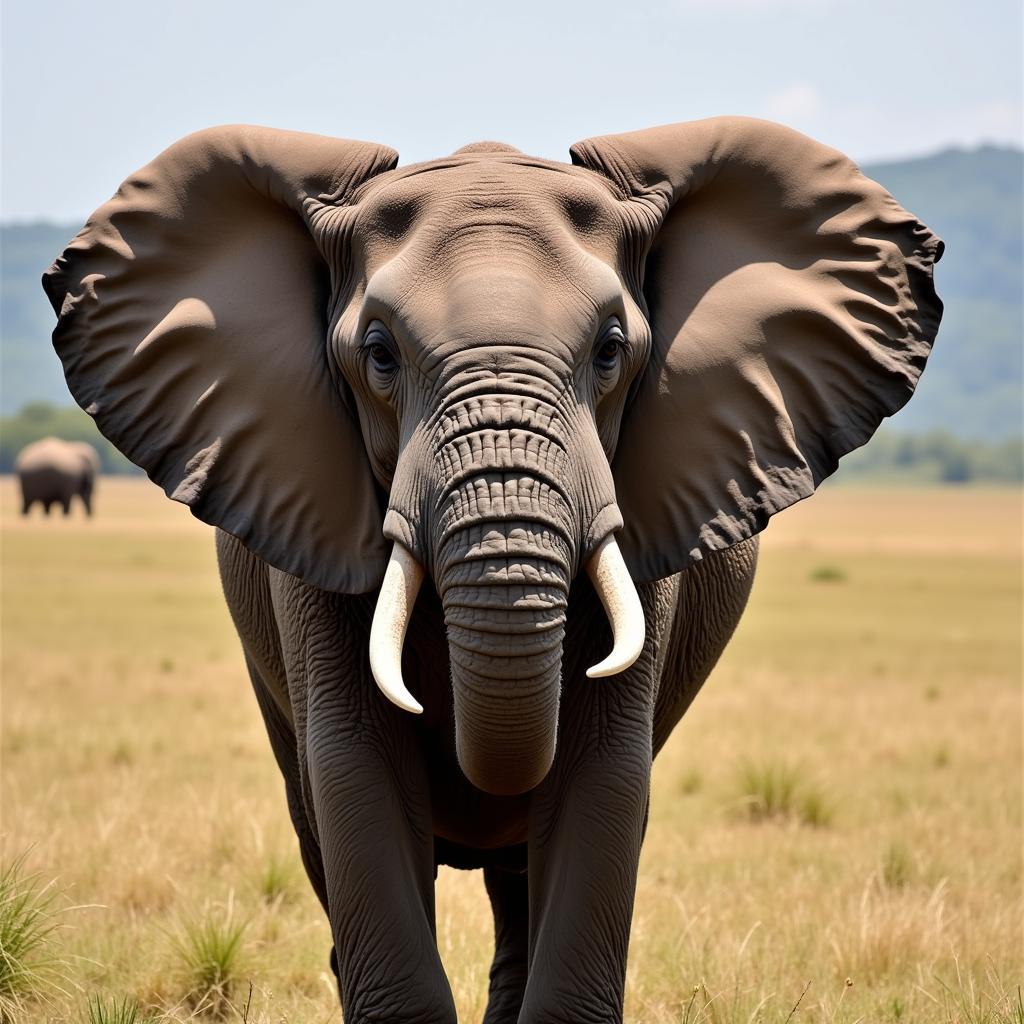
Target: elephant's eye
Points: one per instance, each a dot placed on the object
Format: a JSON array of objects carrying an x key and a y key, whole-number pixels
[
  {"x": 607, "y": 354},
  {"x": 380, "y": 354},
  {"x": 382, "y": 359},
  {"x": 609, "y": 348}
]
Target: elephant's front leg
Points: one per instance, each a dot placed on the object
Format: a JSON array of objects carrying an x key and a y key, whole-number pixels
[
  {"x": 587, "y": 826},
  {"x": 510, "y": 903},
  {"x": 375, "y": 837},
  {"x": 371, "y": 802}
]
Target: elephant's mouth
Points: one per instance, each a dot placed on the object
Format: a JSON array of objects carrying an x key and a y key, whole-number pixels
[{"x": 504, "y": 749}]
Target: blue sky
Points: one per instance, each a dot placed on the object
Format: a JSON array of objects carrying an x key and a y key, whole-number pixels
[{"x": 92, "y": 89}]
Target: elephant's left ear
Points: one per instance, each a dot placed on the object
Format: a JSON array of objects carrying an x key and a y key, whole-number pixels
[
  {"x": 792, "y": 309},
  {"x": 193, "y": 315}
]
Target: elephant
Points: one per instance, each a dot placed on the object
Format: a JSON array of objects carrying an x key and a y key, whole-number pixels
[
  {"x": 488, "y": 441},
  {"x": 53, "y": 471}
]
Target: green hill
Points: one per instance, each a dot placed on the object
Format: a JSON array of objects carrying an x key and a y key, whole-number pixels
[
  {"x": 972, "y": 388},
  {"x": 30, "y": 369}
]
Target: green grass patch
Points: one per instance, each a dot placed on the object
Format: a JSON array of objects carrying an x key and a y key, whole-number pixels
[
  {"x": 897, "y": 866},
  {"x": 828, "y": 574},
  {"x": 209, "y": 951},
  {"x": 278, "y": 878},
  {"x": 965, "y": 1000},
  {"x": 31, "y": 966},
  {"x": 778, "y": 791},
  {"x": 127, "y": 1011},
  {"x": 692, "y": 782}
]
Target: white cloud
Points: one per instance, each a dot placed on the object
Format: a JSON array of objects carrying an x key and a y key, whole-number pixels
[{"x": 800, "y": 101}]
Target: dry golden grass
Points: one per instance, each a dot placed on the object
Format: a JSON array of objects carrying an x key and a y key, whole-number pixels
[{"x": 877, "y": 672}]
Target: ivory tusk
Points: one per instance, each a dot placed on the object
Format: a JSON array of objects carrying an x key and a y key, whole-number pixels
[
  {"x": 402, "y": 580},
  {"x": 614, "y": 586}
]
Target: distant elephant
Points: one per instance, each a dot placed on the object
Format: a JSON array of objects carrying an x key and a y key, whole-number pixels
[
  {"x": 52, "y": 472},
  {"x": 512, "y": 369}
]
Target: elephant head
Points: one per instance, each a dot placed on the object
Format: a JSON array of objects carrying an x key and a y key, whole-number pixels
[{"x": 509, "y": 368}]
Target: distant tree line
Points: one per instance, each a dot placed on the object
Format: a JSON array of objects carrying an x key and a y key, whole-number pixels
[
  {"x": 41, "y": 419},
  {"x": 936, "y": 457}
]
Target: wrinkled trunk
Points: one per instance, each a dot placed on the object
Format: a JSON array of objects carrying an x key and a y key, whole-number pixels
[
  {"x": 505, "y": 615},
  {"x": 503, "y": 565},
  {"x": 498, "y": 497}
]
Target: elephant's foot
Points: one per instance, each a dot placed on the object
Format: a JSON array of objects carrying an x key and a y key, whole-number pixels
[{"x": 510, "y": 904}]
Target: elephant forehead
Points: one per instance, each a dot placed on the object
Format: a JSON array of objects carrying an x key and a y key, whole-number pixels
[
  {"x": 504, "y": 296},
  {"x": 511, "y": 301},
  {"x": 501, "y": 203}
]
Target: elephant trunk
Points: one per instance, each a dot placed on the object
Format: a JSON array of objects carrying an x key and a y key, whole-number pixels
[
  {"x": 510, "y": 507},
  {"x": 506, "y": 544},
  {"x": 504, "y": 600}
]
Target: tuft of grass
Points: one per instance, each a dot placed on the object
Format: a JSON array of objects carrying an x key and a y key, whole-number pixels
[
  {"x": 277, "y": 879},
  {"x": 828, "y": 574},
  {"x": 127, "y": 1011},
  {"x": 964, "y": 1001},
  {"x": 814, "y": 808},
  {"x": 768, "y": 790},
  {"x": 209, "y": 950},
  {"x": 897, "y": 866},
  {"x": 123, "y": 753},
  {"x": 776, "y": 791},
  {"x": 779, "y": 792},
  {"x": 691, "y": 782},
  {"x": 30, "y": 968}
]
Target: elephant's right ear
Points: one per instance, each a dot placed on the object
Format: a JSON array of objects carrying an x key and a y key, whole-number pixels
[{"x": 193, "y": 328}]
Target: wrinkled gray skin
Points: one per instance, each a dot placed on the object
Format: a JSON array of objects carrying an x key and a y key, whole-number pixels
[{"x": 52, "y": 472}]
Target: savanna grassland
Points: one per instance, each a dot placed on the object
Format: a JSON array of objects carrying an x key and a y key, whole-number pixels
[{"x": 835, "y": 829}]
